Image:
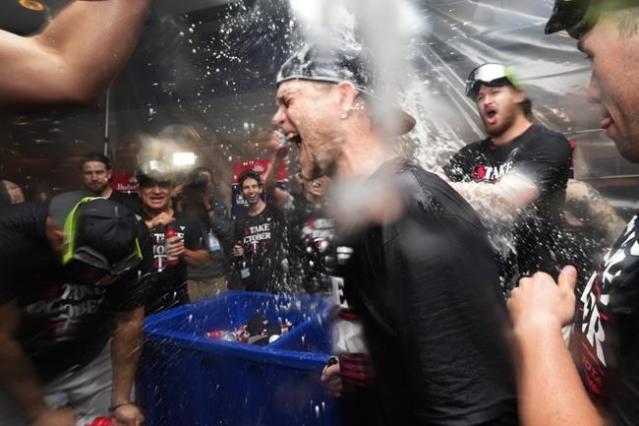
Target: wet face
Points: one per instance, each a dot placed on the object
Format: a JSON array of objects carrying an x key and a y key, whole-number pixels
[
  {"x": 95, "y": 176},
  {"x": 308, "y": 113},
  {"x": 156, "y": 196},
  {"x": 498, "y": 107},
  {"x": 614, "y": 82},
  {"x": 251, "y": 191}
]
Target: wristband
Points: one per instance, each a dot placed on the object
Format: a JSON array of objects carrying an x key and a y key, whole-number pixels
[{"x": 116, "y": 406}]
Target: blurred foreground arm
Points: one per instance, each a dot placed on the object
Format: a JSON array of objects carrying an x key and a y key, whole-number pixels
[
  {"x": 502, "y": 199},
  {"x": 125, "y": 352},
  {"x": 75, "y": 57},
  {"x": 550, "y": 390},
  {"x": 19, "y": 379}
]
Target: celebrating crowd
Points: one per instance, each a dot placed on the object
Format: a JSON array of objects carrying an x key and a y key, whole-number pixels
[{"x": 435, "y": 324}]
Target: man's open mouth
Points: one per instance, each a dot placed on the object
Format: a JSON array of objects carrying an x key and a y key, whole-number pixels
[
  {"x": 294, "y": 138},
  {"x": 490, "y": 113}
]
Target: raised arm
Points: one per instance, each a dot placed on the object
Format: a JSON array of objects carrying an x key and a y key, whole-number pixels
[
  {"x": 277, "y": 196},
  {"x": 550, "y": 390},
  {"x": 74, "y": 58}
]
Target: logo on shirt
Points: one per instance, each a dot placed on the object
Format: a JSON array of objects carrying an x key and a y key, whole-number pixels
[
  {"x": 66, "y": 311},
  {"x": 484, "y": 173},
  {"x": 256, "y": 236},
  {"x": 594, "y": 303},
  {"x": 159, "y": 247}
]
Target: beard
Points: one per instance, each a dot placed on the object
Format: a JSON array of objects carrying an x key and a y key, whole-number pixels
[
  {"x": 97, "y": 188},
  {"x": 505, "y": 120}
]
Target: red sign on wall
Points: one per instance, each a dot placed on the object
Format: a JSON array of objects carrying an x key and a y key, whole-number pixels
[
  {"x": 124, "y": 182},
  {"x": 259, "y": 166}
]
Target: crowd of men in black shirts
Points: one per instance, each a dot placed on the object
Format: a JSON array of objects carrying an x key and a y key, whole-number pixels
[{"x": 423, "y": 333}]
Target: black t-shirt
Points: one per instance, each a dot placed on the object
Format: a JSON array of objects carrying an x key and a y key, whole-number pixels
[
  {"x": 605, "y": 337},
  {"x": 63, "y": 324},
  {"x": 426, "y": 288},
  {"x": 262, "y": 237},
  {"x": 311, "y": 233},
  {"x": 167, "y": 284},
  {"x": 545, "y": 157}
]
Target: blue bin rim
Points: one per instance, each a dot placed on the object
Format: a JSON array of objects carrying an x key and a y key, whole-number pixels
[
  {"x": 264, "y": 354},
  {"x": 284, "y": 357}
]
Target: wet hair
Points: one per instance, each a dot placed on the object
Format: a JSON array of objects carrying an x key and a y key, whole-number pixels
[
  {"x": 96, "y": 156},
  {"x": 203, "y": 169},
  {"x": 249, "y": 174}
]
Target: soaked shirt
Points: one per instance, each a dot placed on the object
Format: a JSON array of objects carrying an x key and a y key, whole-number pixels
[
  {"x": 606, "y": 330},
  {"x": 543, "y": 156},
  {"x": 311, "y": 232},
  {"x": 63, "y": 324},
  {"x": 262, "y": 238},
  {"x": 426, "y": 289}
]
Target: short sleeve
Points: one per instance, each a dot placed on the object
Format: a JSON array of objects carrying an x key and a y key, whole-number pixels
[
  {"x": 129, "y": 291},
  {"x": 194, "y": 234},
  {"x": 459, "y": 166}
]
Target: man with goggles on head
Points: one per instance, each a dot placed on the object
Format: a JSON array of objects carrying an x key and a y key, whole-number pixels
[
  {"x": 516, "y": 177},
  {"x": 71, "y": 283},
  {"x": 599, "y": 383}
]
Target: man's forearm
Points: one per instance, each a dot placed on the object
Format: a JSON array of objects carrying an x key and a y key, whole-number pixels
[
  {"x": 550, "y": 390},
  {"x": 75, "y": 57},
  {"x": 196, "y": 258},
  {"x": 19, "y": 378},
  {"x": 499, "y": 200},
  {"x": 278, "y": 196},
  {"x": 17, "y": 375},
  {"x": 125, "y": 352}
]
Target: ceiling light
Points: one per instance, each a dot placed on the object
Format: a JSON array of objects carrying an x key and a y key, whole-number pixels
[{"x": 184, "y": 159}]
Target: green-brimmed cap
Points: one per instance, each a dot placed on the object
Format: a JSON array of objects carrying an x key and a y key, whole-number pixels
[{"x": 577, "y": 17}]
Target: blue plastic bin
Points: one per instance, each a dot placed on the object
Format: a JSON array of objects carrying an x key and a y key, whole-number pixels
[{"x": 187, "y": 379}]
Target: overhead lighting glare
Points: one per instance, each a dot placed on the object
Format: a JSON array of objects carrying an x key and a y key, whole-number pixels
[
  {"x": 184, "y": 159},
  {"x": 32, "y": 5}
]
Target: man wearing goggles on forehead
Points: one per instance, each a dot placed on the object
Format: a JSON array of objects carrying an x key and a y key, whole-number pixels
[
  {"x": 599, "y": 383},
  {"x": 517, "y": 176},
  {"x": 71, "y": 284}
]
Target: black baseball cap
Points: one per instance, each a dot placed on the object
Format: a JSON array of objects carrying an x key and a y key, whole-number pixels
[
  {"x": 337, "y": 64},
  {"x": 97, "y": 232},
  {"x": 577, "y": 17}
]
